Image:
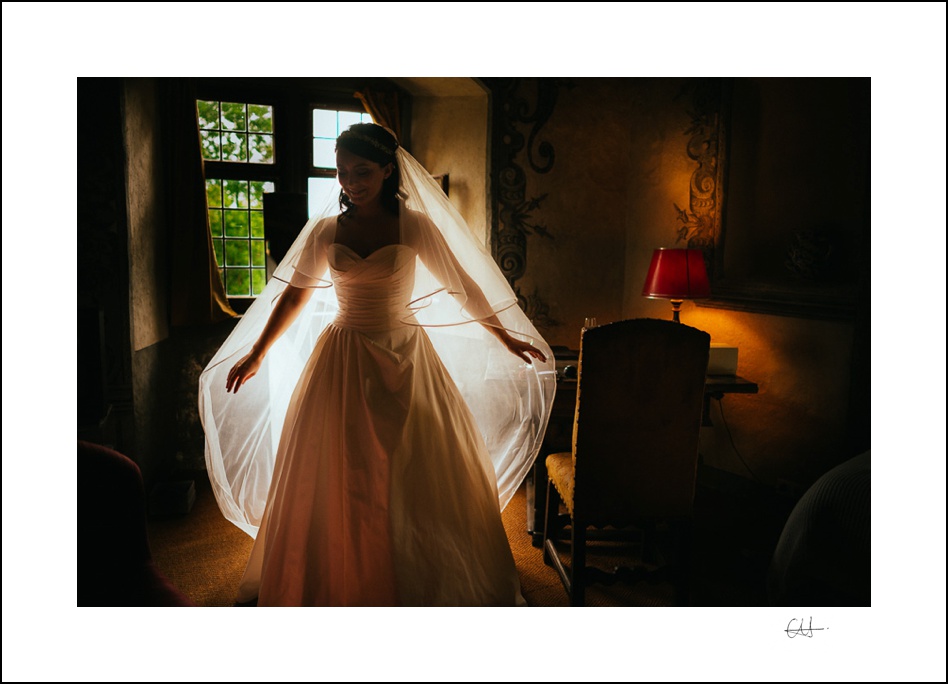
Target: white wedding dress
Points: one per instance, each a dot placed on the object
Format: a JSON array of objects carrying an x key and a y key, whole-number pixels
[
  {"x": 374, "y": 450},
  {"x": 383, "y": 491}
]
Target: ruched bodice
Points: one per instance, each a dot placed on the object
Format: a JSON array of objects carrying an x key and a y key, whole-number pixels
[{"x": 374, "y": 292}]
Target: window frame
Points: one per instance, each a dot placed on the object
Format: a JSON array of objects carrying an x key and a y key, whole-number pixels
[
  {"x": 314, "y": 171},
  {"x": 293, "y": 101}
]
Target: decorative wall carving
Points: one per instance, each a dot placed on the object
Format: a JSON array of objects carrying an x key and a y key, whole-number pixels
[
  {"x": 756, "y": 141},
  {"x": 102, "y": 252},
  {"x": 701, "y": 222},
  {"x": 513, "y": 218}
]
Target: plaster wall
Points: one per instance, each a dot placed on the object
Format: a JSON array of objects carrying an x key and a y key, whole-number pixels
[
  {"x": 621, "y": 167},
  {"x": 449, "y": 136}
]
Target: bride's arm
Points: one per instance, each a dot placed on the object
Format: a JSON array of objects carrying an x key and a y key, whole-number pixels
[
  {"x": 440, "y": 260},
  {"x": 516, "y": 347},
  {"x": 288, "y": 307}
]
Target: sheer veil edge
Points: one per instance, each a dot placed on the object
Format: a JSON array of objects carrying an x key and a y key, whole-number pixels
[{"x": 457, "y": 286}]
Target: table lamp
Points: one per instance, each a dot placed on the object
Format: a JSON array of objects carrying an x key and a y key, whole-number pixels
[{"x": 677, "y": 274}]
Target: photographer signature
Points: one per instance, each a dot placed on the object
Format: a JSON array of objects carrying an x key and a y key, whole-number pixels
[{"x": 797, "y": 627}]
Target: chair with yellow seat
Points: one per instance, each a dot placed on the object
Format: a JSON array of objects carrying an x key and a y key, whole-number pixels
[{"x": 631, "y": 473}]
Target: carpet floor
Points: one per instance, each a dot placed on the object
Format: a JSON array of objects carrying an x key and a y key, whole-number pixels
[{"x": 204, "y": 556}]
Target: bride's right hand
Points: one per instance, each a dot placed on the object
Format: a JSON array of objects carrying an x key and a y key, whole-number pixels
[{"x": 242, "y": 371}]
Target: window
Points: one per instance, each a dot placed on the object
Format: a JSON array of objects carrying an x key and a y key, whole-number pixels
[
  {"x": 237, "y": 138},
  {"x": 327, "y": 125},
  {"x": 235, "y": 211},
  {"x": 236, "y": 132},
  {"x": 262, "y": 136}
]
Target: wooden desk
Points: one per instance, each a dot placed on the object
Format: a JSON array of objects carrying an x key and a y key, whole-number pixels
[
  {"x": 559, "y": 437},
  {"x": 716, "y": 386}
]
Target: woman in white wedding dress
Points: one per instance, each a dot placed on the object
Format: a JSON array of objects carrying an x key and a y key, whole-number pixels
[{"x": 383, "y": 487}]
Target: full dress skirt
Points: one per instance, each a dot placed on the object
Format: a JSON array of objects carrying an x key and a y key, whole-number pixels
[{"x": 383, "y": 492}]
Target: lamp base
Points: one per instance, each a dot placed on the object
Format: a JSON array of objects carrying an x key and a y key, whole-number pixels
[{"x": 676, "y": 310}]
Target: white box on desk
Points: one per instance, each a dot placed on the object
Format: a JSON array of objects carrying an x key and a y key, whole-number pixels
[{"x": 722, "y": 360}]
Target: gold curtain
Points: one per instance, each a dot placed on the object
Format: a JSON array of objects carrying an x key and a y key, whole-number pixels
[
  {"x": 197, "y": 292},
  {"x": 383, "y": 106}
]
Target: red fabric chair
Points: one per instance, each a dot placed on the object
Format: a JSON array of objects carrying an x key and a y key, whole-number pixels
[{"x": 114, "y": 564}]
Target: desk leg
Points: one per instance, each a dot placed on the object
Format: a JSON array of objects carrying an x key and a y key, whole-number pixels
[
  {"x": 536, "y": 501},
  {"x": 706, "y": 412}
]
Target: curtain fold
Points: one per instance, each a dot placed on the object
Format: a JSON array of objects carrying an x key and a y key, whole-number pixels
[
  {"x": 383, "y": 106},
  {"x": 197, "y": 292}
]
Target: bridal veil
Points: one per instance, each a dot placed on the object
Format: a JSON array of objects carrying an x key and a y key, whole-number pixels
[{"x": 457, "y": 285}]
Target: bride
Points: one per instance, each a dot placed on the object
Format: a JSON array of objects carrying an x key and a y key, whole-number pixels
[{"x": 391, "y": 410}]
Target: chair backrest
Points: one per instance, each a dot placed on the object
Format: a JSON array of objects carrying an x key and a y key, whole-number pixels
[{"x": 638, "y": 415}]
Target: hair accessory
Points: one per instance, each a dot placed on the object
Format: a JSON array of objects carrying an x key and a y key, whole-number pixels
[{"x": 372, "y": 141}]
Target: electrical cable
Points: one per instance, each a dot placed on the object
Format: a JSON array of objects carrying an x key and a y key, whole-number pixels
[{"x": 733, "y": 446}]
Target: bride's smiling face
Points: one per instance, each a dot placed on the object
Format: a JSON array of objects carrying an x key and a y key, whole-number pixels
[{"x": 361, "y": 179}]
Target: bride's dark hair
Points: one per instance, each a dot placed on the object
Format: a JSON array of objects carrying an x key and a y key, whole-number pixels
[{"x": 375, "y": 143}]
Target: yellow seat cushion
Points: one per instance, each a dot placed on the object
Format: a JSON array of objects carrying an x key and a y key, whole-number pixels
[{"x": 561, "y": 470}]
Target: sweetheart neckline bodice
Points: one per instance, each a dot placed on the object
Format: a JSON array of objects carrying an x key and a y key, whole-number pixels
[{"x": 371, "y": 254}]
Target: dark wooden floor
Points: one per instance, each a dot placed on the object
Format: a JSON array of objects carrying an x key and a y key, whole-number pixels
[{"x": 737, "y": 525}]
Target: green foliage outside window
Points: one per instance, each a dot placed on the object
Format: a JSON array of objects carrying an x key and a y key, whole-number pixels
[
  {"x": 235, "y": 214},
  {"x": 236, "y": 132}
]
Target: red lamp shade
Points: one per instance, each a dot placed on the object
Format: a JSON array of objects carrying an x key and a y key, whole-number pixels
[{"x": 677, "y": 274}]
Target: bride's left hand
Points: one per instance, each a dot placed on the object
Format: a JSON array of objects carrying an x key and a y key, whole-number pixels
[{"x": 522, "y": 349}]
